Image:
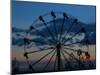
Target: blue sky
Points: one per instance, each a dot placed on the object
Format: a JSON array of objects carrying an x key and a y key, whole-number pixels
[{"x": 24, "y": 13}]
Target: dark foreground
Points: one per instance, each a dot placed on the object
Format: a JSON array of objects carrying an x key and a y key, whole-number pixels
[{"x": 23, "y": 68}]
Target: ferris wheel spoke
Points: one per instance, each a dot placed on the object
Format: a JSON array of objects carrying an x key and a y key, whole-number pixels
[
  {"x": 29, "y": 46},
  {"x": 54, "y": 23},
  {"x": 62, "y": 60},
  {"x": 43, "y": 36},
  {"x": 62, "y": 26},
  {"x": 56, "y": 33},
  {"x": 66, "y": 60},
  {"x": 63, "y": 63},
  {"x": 69, "y": 54},
  {"x": 39, "y": 42},
  {"x": 40, "y": 50},
  {"x": 74, "y": 50},
  {"x": 73, "y": 43},
  {"x": 77, "y": 59},
  {"x": 68, "y": 31},
  {"x": 44, "y": 23},
  {"x": 55, "y": 62},
  {"x": 81, "y": 30},
  {"x": 61, "y": 30},
  {"x": 64, "y": 56},
  {"x": 49, "y": 61},
  {"x": 42, "y": 58},
  {"x": 80, "y": 42}
]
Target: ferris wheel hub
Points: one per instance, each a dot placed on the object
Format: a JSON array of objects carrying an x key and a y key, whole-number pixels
[{"x": 58, "y": 46}]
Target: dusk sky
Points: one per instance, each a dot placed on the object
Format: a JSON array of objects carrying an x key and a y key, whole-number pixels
[{"x": 24, "y": 13}]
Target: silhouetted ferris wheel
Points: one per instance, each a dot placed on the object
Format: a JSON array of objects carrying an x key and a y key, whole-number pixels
[{"x": 56, "y": 39}]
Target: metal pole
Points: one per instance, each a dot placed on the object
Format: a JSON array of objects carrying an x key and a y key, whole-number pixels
[{"x": 58, "y": 57}]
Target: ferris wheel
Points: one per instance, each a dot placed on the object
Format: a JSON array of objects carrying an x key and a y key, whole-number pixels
[{"x": 58, "y": 40}]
